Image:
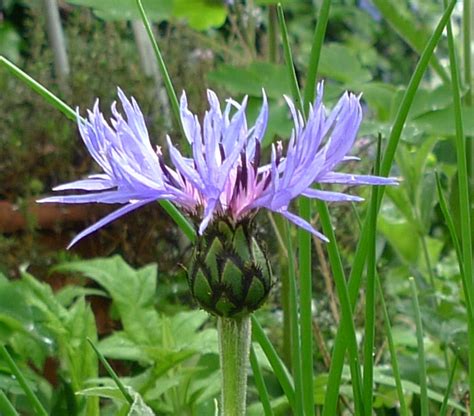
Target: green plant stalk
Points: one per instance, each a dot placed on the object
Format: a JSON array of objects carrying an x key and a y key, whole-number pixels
[
  {"x": 454, "y": 236},
  {"x": 295, "y": 333},
  {"x": 38, "y": 88},
  {"x": 304, "y": 238},
  {"x": 234, "y": 349},
  {"x": 315, "y": 54},
  {"x": 30, "y": 395},
  {"x": 295, "y": 90},
  {"x": 279, "y": 226},
  {"x": 260, "y": 383},
  {"x": 272, "y": 34},
  {"x": 464, "y": 200},
  {"x": 466, "y": 30},
  {"x": 162, "y": 66},
  {"x": 278, "y": 367},
  {"x": 393, "y": 352},
  {"x": 370, "y": 295},
  {"x": 444, "y": 407},
  {"x": 301, "y": 346},
  {"x": 6, "y": 408},
  {"x": 421, "y": 350},
  {"x": 347, "y": 327},
  {"x": 111, "y": 373},
  {"x": 306, "y": 312},
  {"x": 335, "y": 372}
]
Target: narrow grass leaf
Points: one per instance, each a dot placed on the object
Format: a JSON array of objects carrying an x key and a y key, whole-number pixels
[
  {"x": 6, "y": 408},
  {"x": 112, "y": 373},
  {"x": 294, "y": 327},
  {"x": 362, "y": 246},
  {"x": 30, "y": 395},
  {"x": 162, "y": 66},
  {"x": 421, "y": 350},
  {"x": 449, "y": 221},
  {"x": 260, "y": 384},
  {"x": 369, "y": 332},
  {"x": 279, "y": 369},
  {"x": 393, "y": 352},
  {"x": 295, "y": 90},
  {"x": 444, "y": 407},
  {"x": 315, "y": 54},
  {"x": 304, "y": 238},
  {"x": 464, "y": 200},
  {"x": 37, "y": 87}
]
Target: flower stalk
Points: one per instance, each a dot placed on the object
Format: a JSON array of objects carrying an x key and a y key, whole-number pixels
[{"x": 234, "y": 349}]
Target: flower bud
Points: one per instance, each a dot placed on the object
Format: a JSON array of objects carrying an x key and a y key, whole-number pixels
[{"x": 230, "y": 275}]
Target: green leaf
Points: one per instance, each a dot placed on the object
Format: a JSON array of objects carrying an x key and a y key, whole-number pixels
[
  {"x": 441, "y": 122},
  {"x": 15, "y": 312},
  {"x": 157, "y": 11},
  {"x": 340, "y": 63},
  {"x": 252, "y": 78},
  {"x": 201, "y": 14},
  {"x": 401, "y": 235}
]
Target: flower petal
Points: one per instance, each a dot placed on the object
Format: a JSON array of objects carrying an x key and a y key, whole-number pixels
[{"x": 108, "y": 219}]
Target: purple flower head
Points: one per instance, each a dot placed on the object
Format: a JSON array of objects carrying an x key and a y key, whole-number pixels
[{"x": 225, "y": 175}]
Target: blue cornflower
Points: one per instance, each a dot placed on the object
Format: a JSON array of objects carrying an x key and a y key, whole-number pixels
[{"x": 224, "y": 176}]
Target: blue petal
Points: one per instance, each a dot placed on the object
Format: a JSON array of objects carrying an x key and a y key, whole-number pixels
[
  {"x": 108, "y": 219},
  {"x": 349, "y": 179},
  {"x": 330, "y": 196},
  {"x": 300, "y": 222}
]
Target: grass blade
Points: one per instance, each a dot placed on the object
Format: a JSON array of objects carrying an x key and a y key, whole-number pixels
[
  {"x": 295, "y": 90},
  {"x": 393, "y": 352},
  {"x": 37, "y": 87},
  {"x": 315, "y": 54},
  {"x": 444, "y": 407},
  {"x": 464, "y": 201},
  {"x": 6, "y": 408},
  {"x": 161, "y": 64},
  {"x": 260, "y": 383},
  {"x": 370, "y": 294},
  {"x": 347, "y": 322},
  {"x": 362, "y": 247},
  {"x": 304, "y": 238},
  {"x": 30, "y": 395},
  {"x": 294, "y": 326},
  {"x": 113, "y": 375},
  {"x": 421, "y": 350},
  {"x": 279, "y": 369}
]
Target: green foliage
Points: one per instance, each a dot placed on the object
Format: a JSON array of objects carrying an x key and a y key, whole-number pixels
[
  {"x": 200, "y": 14},
  {"x": 169, "y": 349}
]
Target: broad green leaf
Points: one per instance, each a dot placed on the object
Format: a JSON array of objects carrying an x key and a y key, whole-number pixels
[
  {"x": 200, "y": 14},
  {"x": 340, "y": 63},
  {"x": 107, "y": 392},
  {"x": 401, "y": 235},
  {"x": 127, "y": 9},
  {"x": 441, "y": 122},
  {"x": 252, "y": 78},
  {"x": 15, "y": 312}
]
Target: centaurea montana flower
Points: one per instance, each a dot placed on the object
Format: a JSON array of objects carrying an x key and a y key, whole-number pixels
[{"x": 225, "y": 176}]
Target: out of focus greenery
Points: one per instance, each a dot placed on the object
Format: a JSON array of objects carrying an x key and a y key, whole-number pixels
[{"x": 142, "y": 316}]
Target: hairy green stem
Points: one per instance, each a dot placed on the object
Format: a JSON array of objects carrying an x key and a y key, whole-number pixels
[{"x": 234, "y": 349}]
